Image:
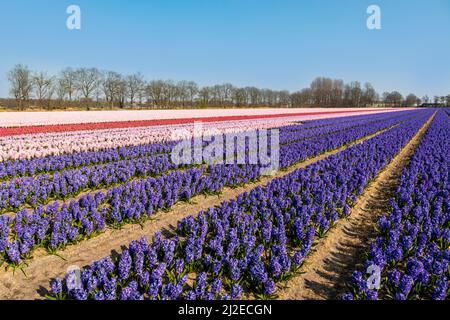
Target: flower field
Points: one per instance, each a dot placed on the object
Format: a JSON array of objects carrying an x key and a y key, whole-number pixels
[
  {"x": 120, "y": 118},
  {"x": 66, "y": 182}
]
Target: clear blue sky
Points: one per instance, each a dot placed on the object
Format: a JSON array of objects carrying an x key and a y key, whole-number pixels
[{"x": 277, "y": 44}]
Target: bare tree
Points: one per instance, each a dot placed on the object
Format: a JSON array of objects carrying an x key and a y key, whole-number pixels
[
  {"x": 369, "y": 95},
  {"x": 111, "y": 86},
  {"x": 185, "y": 92},
  {"x": 169, "y": 93},
  {"x": 87, "y": 80},
  {"x": 226, "y": 93},
  {"x": 302, "y": 98},
  {"x": 254, "y": 96},
  {"x": 239, "y": 97},
  {"x": 411, "y": 100},
  {"x": 122, "y": 93},
  {"x": 141, "y": 94},
  {"x": 20, "y": 84},
  {"x": 322, "y": 89},
  {"x": 68, "y": 82},
  {"x": 134, "y": 84},
  {"x": 337, "y": 93},
  {"x": 61, "y": 91},
  {"x": 284, "y": 98},
  {"x": 192, "y": 89},
  {"x": 354, "y": 94},
  {"x": 43, "y": 87},
  {"x": 393, "y": 98},
  {"x": 205, "y": 96},
  {"x": 154, "y": 92}
]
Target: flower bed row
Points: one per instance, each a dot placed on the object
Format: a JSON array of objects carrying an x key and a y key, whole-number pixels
[{"x": 31, "y": 167}]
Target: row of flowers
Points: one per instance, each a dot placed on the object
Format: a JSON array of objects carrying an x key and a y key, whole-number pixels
[
  {"x": 31, "y": 167},
  {"x": 412, "y": 250},
  {"x": 43, "y": 188},
  {"x": 246, "y": 245}
]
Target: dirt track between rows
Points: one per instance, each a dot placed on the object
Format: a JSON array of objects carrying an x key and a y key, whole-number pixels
[
  {"x": 327, "y": 270},
  {"x": 34, "y": 282}
]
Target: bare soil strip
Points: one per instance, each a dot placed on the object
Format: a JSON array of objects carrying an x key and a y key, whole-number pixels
[
  {"x": 327, "y": 270},
  {"x": 43, "y": 267}
]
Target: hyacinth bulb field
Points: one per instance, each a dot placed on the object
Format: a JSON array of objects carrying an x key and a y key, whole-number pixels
[{"x": 225, "y": 206}]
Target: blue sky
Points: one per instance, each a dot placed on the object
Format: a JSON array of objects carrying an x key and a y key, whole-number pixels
[{"x": 279, "y": 44}]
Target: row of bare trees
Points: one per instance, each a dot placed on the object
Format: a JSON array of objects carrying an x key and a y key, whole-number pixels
[
  {"x": 92, "y": 88},
  {"x": 443, "y": 101},
  {"x": 336, "y": 93}
]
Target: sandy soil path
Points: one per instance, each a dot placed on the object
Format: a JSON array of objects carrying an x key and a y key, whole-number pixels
[
  {"x": 43, "y": 267},
  {"x": 328, "y": 269}
]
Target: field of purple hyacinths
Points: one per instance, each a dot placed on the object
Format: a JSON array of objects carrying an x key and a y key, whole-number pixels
[{"x": 247, "y": 246}]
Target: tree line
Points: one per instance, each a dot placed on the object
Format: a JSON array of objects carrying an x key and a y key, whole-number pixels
[{"x": 93, "y": 88}]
